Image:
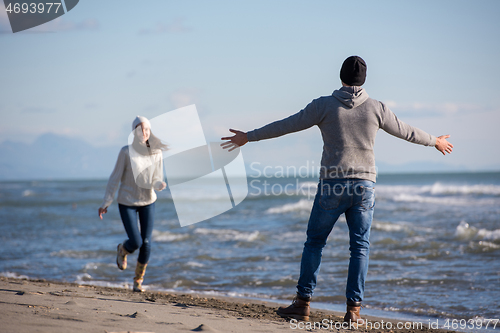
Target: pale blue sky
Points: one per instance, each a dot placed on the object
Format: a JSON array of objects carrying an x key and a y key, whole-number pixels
[{"x": 244, "y": 64}]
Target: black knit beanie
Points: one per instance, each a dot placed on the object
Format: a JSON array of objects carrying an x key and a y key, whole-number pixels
[{"x": 353, "y": 71}]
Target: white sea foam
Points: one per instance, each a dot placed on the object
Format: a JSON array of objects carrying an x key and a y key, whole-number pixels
[
  {"x": 489, "y": 245},
  {"x": 194, "y": 264},
  {"x": 303, "y": 205},
  {"x": 291, "y": 236},
  {"x": 213, "y": 293},
  {"x": 440, "y": 189},
  {"x": 90, "y": 265},
  {"x": 478, "y": 189},
  {"x": 228, "y": 234},
  {"x": 489, "y": 234},
  {"x": 14, "y": 275},
  {"x": 388, "y": 190},
  {"x": 482, "y": 247},
  {"x": 386, "y": 226},
  {"x": 27, "y": 193},
  {"x": 416, "y": 239},
  {"x": 448, "y": 200},
  {"x": 86, "y": 279},
  {"x": 97, "y": 265},
  {"x": 167, "y": 236},
  {"x": 465, "y": 231}
]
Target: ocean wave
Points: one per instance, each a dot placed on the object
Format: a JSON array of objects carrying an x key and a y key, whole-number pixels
[
  {"x": 402, "y": 226},
  {"x": 451, "y": 201},
  {"x": 488, "y": 245},
  {"x": 291, "y": 236},
  {"x": 416, "y": 240},
  {"x": 28, "y": 193},
  {"x": 309, "y": 184},
  {"x": 79, "y": 254},
  {"x": 13, "y": 185},
  {"x": 86, "y": 279},
  {"x": 440, "y": 189},
  {"x": 489, "y": 234},
  {"x": 465, "y": 231},
  {"x": 167, "y": 236},
  {"x": 308, "y": 189},
  {"x": 303, "y": 205},
  {"x": 13, "y": 275},
  {"x": 229, "y": 234},
  {"x": 478, "y": 189},
  {"x": 211, "y": 293},
  {"x": 389, "y": 227},
  {"x": 194, "y": 264},
  {"x": 425, "y": 311},
  {"x": 278, "y": 194},
  {"x": 482, "y": 247},
  {"x": 97, "y": 265}
]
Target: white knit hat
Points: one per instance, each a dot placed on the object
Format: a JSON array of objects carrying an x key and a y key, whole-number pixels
[{"x": 138, "y": 120}]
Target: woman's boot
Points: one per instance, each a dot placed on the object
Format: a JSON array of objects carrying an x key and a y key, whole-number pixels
[
  {"x": 121, "y": 257},
  {"x": 140, "y": 270}
]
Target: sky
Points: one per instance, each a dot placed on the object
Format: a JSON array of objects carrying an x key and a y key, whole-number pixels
[{"x": 87, "y": 74}]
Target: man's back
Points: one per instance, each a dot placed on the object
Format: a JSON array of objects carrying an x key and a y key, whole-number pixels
[{"x": 348, "y": 120}]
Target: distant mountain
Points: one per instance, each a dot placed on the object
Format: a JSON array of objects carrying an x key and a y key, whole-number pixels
[{"x": 54, "y": 156}]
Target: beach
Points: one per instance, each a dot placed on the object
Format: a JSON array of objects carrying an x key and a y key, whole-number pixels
[{"x": 28, "y": 305}]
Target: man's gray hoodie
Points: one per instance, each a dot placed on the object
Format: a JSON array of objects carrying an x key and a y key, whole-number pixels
[{"x": 348, "y": 120}]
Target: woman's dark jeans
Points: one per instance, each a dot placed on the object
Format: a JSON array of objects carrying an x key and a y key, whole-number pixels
[{"x": 138, "y": 239}]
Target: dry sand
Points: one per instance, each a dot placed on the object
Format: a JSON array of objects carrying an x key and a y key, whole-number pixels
[{"x": 41, "y": 306}]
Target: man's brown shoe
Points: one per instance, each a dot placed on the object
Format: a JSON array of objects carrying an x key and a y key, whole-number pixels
[
  {"x": 299, "y": 309},
  {"x": 352, "y": 315}
]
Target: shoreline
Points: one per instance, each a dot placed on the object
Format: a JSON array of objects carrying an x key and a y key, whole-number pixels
[{"x": 30, "y": 305}]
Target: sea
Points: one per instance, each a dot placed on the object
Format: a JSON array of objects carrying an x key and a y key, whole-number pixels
[{"x": 435, "y": 244}]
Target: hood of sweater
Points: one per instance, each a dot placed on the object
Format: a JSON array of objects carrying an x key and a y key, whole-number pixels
[{"x": 351, "y": 97}]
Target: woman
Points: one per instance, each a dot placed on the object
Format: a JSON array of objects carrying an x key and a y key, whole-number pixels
[{"x": 138, "y": 172}]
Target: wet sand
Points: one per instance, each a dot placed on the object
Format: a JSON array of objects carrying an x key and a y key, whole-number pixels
[{"x": 43, "y": 306}]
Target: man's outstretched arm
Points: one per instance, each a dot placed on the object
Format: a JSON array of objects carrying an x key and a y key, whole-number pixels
[
  {"x": 307, "y": 117},
  {"x": 443, "y": 145},
  {"x": 237, "y": 140},
  {"x": 392, "y": 125}
]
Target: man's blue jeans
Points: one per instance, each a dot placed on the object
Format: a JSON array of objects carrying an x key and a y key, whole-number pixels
[
  {"x": 355, "y": 198},
  {"x": 138, "y": 239}
]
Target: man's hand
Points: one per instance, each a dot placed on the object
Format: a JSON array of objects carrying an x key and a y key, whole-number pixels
[
  {"x": 237, "y": 140},
  {"x": 442, "y": 145},
  {"x": 102, "y": 211}
]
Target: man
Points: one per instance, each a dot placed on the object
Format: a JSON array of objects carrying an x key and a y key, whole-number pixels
[{"x": 349, "y": 121}]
